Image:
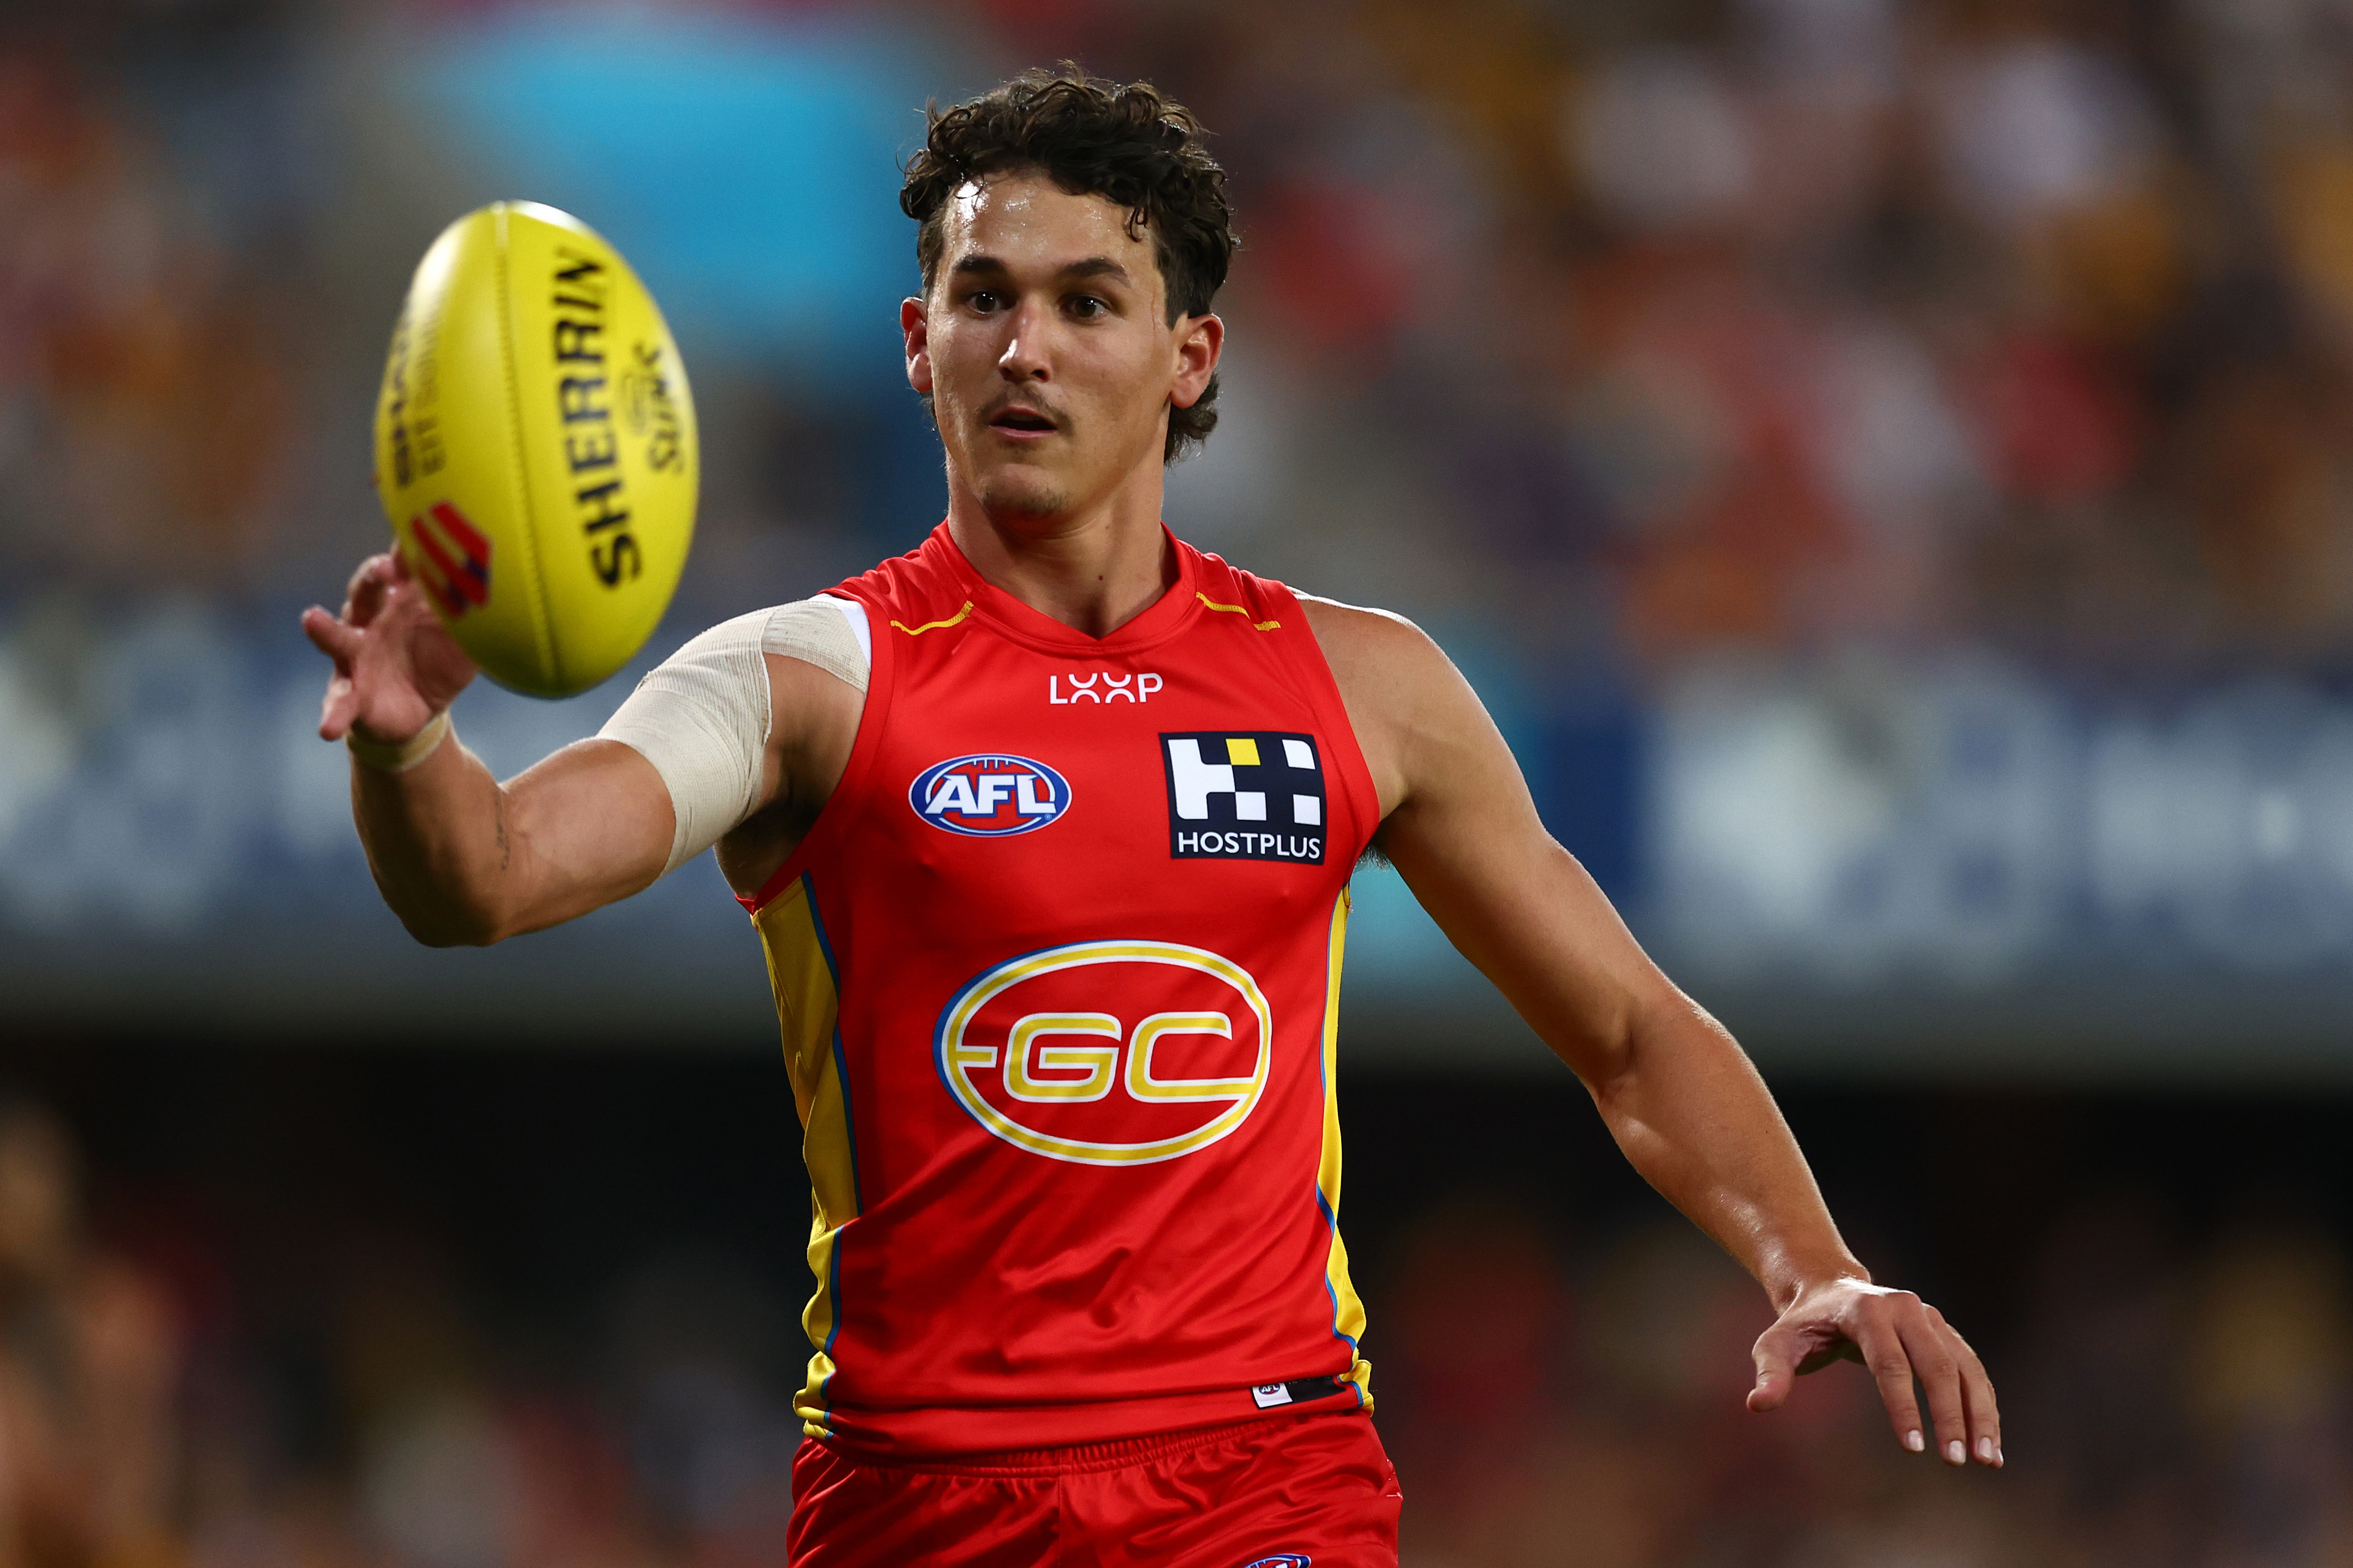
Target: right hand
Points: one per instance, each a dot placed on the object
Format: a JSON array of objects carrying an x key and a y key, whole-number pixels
[
  {"x": 1900, "y": 1338},
  {"x": 396, "y": 665}
]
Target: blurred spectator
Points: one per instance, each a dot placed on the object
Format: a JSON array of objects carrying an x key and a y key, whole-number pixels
[
  {"x": 2272, "y": 1343},
  {"x": 89, "y": 1373},
  {"x": 145, "y": 413}
]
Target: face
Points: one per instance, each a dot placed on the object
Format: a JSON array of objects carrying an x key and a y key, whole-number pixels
[{"x": 1045, "y": 345}]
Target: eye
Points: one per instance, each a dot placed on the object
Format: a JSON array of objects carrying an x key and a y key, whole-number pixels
[
  {"x": 983, "y": 300},
  {"x": 1087, "y": 307}
]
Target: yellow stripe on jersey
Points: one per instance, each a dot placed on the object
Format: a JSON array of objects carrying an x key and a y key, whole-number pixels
[
  {"x": 1347, "y": 1309},
  {"x": 809, "y": 1006},
  {"x": 935, "y": 625},
  {"x": 1237, "y": 610}
]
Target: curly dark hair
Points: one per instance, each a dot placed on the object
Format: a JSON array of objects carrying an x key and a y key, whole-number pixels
[{"x": 1128, "y": 144}]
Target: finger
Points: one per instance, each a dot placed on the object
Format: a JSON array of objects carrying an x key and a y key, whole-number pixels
[
  {"x": 1977, "y": 1395},
  {"x": 339, "y": 710},
  {"x": 1938, "y": 1368},
  {"x": 369, "y": 570},
  {"x": 333, "y": 637},
  {"x": 1890, "y": 1368},
  {"x": 370, "y": 585},
  {"x": 1776, "y": 1357}
]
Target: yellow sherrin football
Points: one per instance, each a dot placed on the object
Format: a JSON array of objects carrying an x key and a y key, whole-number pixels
[{"x": 535, "y": 448}]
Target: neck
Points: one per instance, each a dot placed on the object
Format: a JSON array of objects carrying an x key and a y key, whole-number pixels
[{"x": 1094, "y": 568}]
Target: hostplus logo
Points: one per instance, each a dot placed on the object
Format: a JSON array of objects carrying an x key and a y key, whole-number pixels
[{"x": 1244, "y": 795}]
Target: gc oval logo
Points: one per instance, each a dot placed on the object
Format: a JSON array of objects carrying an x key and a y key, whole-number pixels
[
  {"x": 1109, "y": 1053},
  {"x": 989, "y": 795}
]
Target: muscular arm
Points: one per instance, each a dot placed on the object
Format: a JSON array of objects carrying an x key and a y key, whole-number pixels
[
  {"x": 463, "y": 859},
  {"x": 1677, "y": 1093}
]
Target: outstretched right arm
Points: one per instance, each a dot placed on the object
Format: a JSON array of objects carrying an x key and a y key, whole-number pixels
[
  {"x": 737, "y": 741},
  {"x": 460, "y": 857}
]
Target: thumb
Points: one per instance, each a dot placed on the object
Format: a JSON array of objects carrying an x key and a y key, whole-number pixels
[
  {"x": 1776, "y": 1370},
  {"x": 339, "y": 710}
]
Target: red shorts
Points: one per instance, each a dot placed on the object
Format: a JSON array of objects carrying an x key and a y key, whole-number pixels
[{"x": 1283, "y": 1492}]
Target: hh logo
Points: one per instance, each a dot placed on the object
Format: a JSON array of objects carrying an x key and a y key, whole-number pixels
[
  {"x": 1101, "y": 686},
  {"x": 457, "y": 558},
  {"x": 1254, "y": 795},
  {"x": 1108, "y": 1053},
  {"x": 989, "y": 796}
]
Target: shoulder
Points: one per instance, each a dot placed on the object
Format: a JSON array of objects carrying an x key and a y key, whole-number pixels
[
  {"x": 1222, "y": 586},
  {"x": 920, "y": 585},
  {"x": 1399, "y": 688},
  {"x": 735, "y": 631},
  {"x": 1380, "y": 642},
  {"x": 1349, "y": 632},
  {"x": 822, "y": 619}
]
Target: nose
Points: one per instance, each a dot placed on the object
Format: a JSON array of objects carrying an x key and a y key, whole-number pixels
[{"x": 1025, "y": 357}]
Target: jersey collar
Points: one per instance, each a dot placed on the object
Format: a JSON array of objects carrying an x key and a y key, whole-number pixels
[{"x": 1159, "y": 621}]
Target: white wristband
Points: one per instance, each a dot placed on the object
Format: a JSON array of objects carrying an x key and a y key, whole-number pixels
[{"x": 398, "y": 757}]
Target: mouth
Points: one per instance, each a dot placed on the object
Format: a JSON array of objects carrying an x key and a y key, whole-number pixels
[{"x": 1022, "y": 424}]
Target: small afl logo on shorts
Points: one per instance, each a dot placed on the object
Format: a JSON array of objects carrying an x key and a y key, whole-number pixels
[
  {"x": 989, "y": 795},
  {"x": 1282, "y": 1560}
]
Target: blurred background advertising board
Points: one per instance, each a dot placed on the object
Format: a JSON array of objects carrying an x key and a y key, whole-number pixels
[{"x": 1866, "y": 861}]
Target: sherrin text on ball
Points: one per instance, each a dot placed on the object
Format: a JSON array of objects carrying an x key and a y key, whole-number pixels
[{"x": 535, "y": 447}]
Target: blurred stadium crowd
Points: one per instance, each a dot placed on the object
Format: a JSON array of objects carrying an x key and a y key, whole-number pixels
[
  {"x": 342, "y": 1351},
  {"x": 1610, "y": 341},
  {"x": 1647, "y": 330}
]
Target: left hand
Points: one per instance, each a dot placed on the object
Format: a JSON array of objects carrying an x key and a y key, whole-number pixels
[{"x": 1898, "y": 1337}]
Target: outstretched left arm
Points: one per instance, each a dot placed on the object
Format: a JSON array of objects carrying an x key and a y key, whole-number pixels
[{"x": 1677, "y": 1092}]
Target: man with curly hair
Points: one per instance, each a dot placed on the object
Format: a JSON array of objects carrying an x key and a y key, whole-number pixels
[{"x": 1047, "y": 828}]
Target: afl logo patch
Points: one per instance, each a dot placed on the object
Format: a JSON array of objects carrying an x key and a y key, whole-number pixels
[{"x": 989, "y": 795}]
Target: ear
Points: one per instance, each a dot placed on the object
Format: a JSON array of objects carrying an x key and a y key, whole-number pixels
[
  {"x": 915, "y": 325},
  {"x": 1200, "y": 340}
]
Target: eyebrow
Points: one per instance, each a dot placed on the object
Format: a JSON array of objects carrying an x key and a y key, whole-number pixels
[{"x": 1091, "y": 266}]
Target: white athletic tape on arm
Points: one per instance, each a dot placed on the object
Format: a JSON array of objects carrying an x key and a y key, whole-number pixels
[
  {"x": 701, "y": 715},
  {"x": 855, "y": 614},
  {"x": 827, "y": 632}
]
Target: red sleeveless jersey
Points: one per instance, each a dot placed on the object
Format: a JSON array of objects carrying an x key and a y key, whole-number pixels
[{"x": 1057, "y": 971}]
